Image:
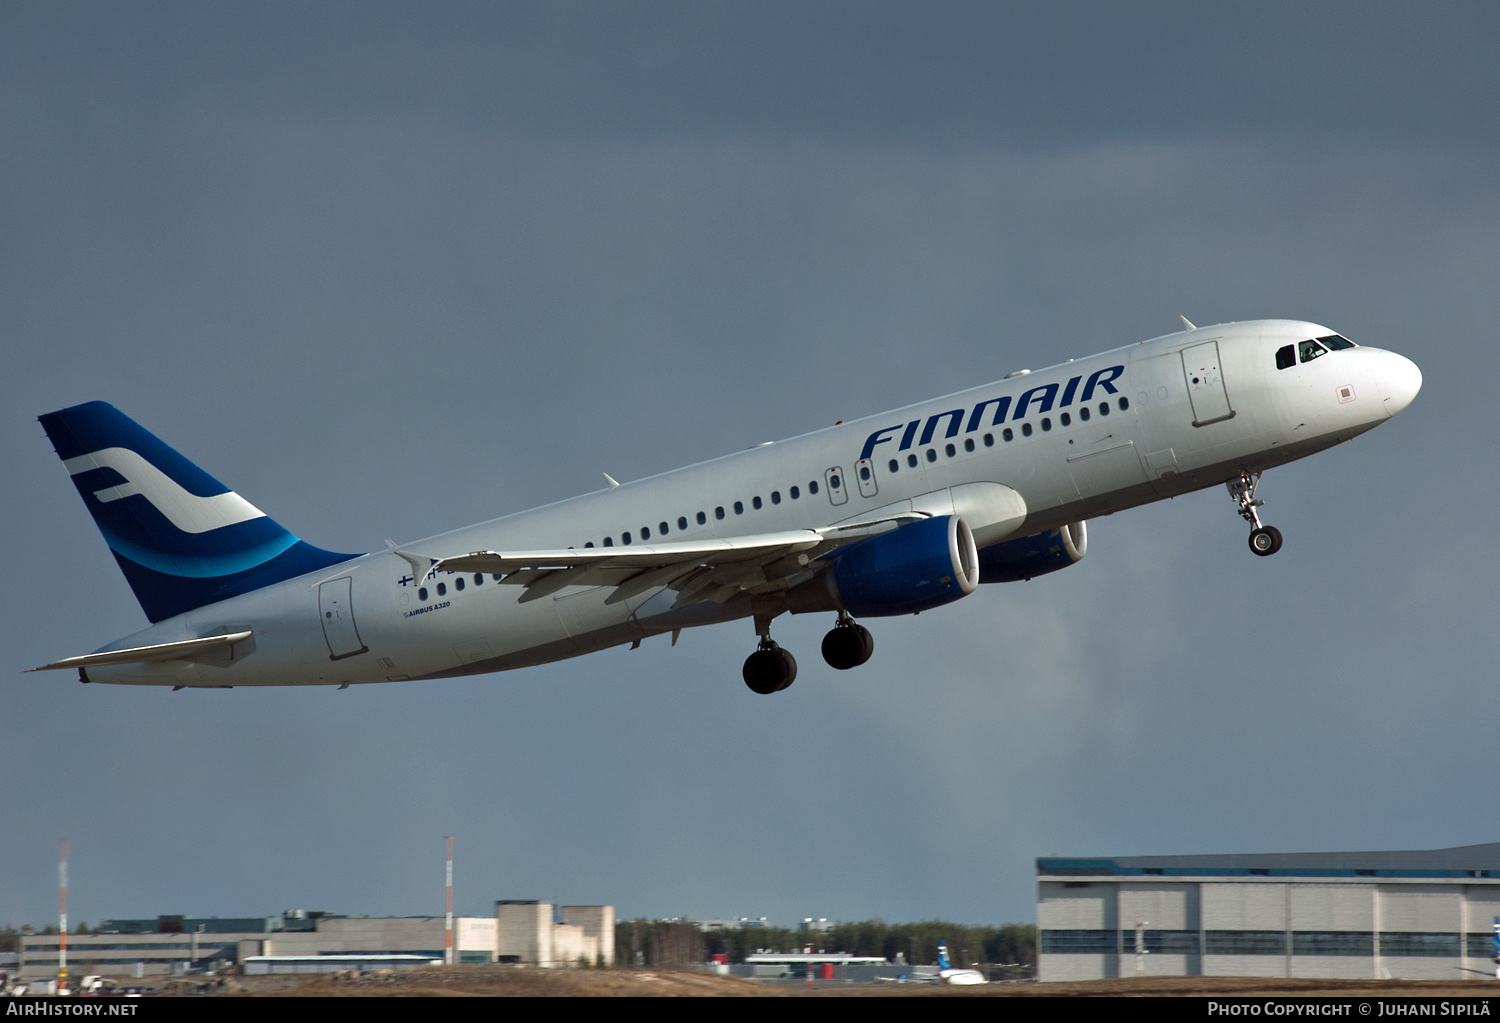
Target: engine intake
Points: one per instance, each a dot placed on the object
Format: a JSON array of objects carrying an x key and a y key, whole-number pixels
[
  {"x": 1035, "y": 555},
  {"x": 916, "y": 567}
]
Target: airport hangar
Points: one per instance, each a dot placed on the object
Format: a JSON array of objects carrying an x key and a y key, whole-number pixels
[{"x": 1421, "y": 915}]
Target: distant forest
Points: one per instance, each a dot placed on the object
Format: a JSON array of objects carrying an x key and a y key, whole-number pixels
[{"x": 676, "y": 943}]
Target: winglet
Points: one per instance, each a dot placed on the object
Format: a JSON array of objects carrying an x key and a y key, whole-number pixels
[
  {"x": 1187, "y": 322},
  {"x": 610, "y": 480}
]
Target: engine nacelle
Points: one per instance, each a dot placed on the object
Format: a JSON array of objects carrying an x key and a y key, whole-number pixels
[
  {"x": 1030, "y": 556},
  {"x": 916, "y": 567}
]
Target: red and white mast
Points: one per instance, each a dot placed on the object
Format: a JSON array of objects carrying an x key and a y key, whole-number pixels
[
  {"x": 62, "y": 918},
  {"x": 448, "y": 930}
]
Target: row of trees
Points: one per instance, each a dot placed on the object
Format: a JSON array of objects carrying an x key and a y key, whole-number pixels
[{"x": 672, "y": 943}]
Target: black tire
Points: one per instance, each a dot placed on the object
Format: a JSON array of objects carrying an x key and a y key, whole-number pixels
[
  {"x": 788, "y": 668},
  {"x": 866, "y": 644},
  {"x": 842, "y": 648},
  {"x": 1265, "y": 541},
  {"x": 764, "y": 671}
]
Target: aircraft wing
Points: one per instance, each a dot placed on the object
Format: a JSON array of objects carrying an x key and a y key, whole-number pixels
[
  {"x": 157, "y": 652},
  {"x": 697, "y": 569}
]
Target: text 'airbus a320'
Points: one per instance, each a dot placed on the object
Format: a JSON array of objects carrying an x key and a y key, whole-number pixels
[{"x": 890, "y": 515}]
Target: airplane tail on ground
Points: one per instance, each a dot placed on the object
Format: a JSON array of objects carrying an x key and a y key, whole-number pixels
[
  {"x": 182, "y": 538},
  {"x": 944, "y": 963}
]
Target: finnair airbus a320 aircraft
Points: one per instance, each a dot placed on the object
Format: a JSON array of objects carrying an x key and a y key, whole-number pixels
[{"x": 889, "y": 515}]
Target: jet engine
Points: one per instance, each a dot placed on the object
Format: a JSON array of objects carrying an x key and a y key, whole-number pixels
[
  {"x": 923, "y": 565},
  {"x": 1033, "y": 555}
]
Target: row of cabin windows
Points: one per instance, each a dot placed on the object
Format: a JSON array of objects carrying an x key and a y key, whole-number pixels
[
  {"x": 458, "y": 586},
  {"x": 1008, "y": 435},
  {"x": 663, "y": 528},
  {"x": 795, "y": 493}
]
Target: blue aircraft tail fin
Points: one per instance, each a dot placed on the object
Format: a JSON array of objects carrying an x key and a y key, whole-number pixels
[
  {"x": 181, "y": 537},
  {"x": 943, "y": 961}
]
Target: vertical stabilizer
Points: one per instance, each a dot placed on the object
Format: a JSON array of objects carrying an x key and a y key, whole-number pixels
[{"x": 182, "y": 538}]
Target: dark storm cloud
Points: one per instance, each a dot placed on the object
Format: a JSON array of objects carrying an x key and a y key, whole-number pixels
[{"x": 982, "y": 74}]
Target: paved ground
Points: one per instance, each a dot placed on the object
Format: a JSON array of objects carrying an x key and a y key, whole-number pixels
[{"x": 472, "y": 981}]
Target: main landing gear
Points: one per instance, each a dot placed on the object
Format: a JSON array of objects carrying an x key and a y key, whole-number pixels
[
  {"x": 771, "y": 669},
  {"x": 847, "y": 644},
  {"x": 1264, "y": 540}
]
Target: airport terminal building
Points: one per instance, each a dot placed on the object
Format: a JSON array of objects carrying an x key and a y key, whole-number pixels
[
  {"x": 524, "y": 932},
  {"x": 1423, "y": 915}
]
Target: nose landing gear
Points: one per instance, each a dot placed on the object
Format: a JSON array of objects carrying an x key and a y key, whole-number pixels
[
  {"x": 847, "y": 644},
  {"x": 1264, "y": 540}
]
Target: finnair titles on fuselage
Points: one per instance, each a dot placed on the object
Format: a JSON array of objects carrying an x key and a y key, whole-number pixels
[{"x": 893, "y": 514}]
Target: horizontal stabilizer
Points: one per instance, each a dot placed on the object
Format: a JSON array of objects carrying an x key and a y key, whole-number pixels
[{"x": 158, "y": 652}]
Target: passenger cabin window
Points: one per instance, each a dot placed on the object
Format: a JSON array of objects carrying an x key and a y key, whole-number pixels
[
  {"x": 796, "y": 493},
  {"x": 442, "y": 589},
  {"x": 478, "y": 578},
  {"x": 1124, "y": 403},
  {"x": 682, "y": 521},
  {"x": 1008, "y": 434},
  {"x": 645, "y": 532},
  {"x": 989, "y": 440},
  {"x": 422, "y": 593},
  {"x": 895, "y": 465},
  {"x": 1083, "y": 413},
  {"x": 702, "y": 519},
  {"x": 625, "y": 538},
  {"x": 1065, "y": 419},
  {"x": 739, "y": 507},
  {"x": 1286, "y": 356},
  {"x": 932, "y": 454},
  {"x": 775, "y": 497},
  {"x": 662, "y": 527},
  {"x": 1310, "y": 350},
  {"x": 609, "y": 541},
  {"x": 458, "y": 584},
  {"x": 911, "y": 460},
  {"x": 719, "y": 512},
  {"x": 969, "y": 444},
  {"x": 755, "y": 502},
  {"x": 812, "y": 486},
  {"x": 1026, "y": 429}
]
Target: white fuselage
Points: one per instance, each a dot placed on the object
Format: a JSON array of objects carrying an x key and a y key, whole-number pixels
[{"x": 1253, "y": 417}]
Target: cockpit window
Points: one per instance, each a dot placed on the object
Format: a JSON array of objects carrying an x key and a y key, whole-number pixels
[
  {"x": 1310, "y": 350},
  {"x": 1286, "y": 357},
  {"x": 1335, "y": 343}
]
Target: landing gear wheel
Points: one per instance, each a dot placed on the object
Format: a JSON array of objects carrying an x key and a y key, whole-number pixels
[
  {"x": 770, "y": 669},
  {"x": 1265, "y": 541},
  {"x": 847, "y": 645},
  {"x": 867, "y": 643}
]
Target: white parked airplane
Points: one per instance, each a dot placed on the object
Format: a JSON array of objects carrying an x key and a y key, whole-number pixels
[
  {"x": 893, "y": 514},
  {"x": 947, "y": 974}
]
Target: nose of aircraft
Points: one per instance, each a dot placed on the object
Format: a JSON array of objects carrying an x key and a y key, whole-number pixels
[{"x": 1401, "y": 380}]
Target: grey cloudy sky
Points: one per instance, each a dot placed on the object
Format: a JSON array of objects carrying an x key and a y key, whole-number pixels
[{"x": 392, "y": 269}]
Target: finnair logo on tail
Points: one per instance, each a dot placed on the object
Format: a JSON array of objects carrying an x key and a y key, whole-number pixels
[{"x": 188, "y": 512}]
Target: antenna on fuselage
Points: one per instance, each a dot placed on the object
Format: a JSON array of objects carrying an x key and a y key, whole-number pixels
[
  {"x": 1189, "y": 324},
  {"x": 610, "y": 480}
]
